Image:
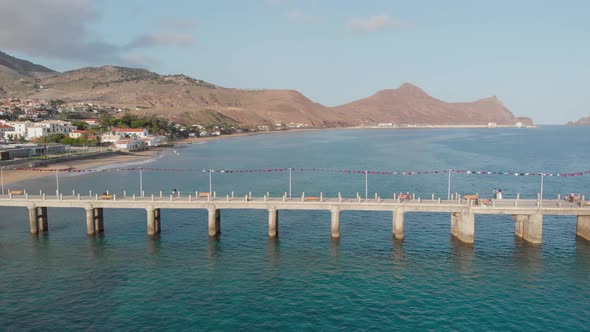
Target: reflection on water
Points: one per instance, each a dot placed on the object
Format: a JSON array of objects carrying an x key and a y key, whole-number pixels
[
  {"x": 527, "y": 258},
  {"x": 335, "y": 247},
  {"x": 397, "y": 249},
  {"x": 273, "y": 252},
  {"x": 213, "y": 247},
  {"x": 463, "y": 255}
]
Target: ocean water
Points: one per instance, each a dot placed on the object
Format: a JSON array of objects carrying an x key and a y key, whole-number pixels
[{"x": 183, "y": 280}]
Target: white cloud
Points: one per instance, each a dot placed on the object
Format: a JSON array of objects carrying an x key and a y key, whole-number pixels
[
  {"x": 59, "y": 29},
  {"x": 162, "y": 39},
  {"x": 374, "y": 23}
]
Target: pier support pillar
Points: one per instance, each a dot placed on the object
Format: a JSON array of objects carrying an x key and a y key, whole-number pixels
[
  {"x": 90, "y": 221},
  {"x": 33, "y": 227},
  {"x": 214, "y": 221},
  {"x": 273, "y": 223},
  {"x": 42, "y": 219},
  {"x": 151, "y": 221},
  {"x": 335, "y": 224},
  {"x": 463, "y": 226},
  {"x": 519, "y": 221},
  {"x": 98, "y": 220},
  {"x": 398, "y": 224},
  {"x": 158, "y": 217},
  {"x": 533, "y": 228},
  {"x": 455, "y": 219},
  {"x": 583, "y": 227}
]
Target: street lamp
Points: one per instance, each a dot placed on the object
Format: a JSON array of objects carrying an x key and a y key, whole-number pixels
[
  {"x": 210, "y": 183},
  {"x": 2, "y": 176},
  {"x": 290, "y": 181},
  {"x": 449, "y": 187},
  {"x": 366, "y": 186},
  {"x": 141, "y": 182},
  {"x": 542, "y": 183},
  {"x": 56, "y": 182}
]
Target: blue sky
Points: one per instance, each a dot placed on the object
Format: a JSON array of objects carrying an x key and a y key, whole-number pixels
[{"x": 533, "y": 55}]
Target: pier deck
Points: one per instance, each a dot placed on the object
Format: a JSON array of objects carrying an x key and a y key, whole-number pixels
[{"x": 527, "y": 213}]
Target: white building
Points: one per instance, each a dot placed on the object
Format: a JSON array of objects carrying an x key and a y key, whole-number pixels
[
  {"x": 109, "y": 137},
  {"x": 5, "y": 128},
  {"x": 32, "y": 130},
  {"x": 76, "y": 133},
  {"x": 20, "y": 128},
  {"x": 153, "y": 140},
  {"x": 92, "y": 122},
  {"x": 36, "y": 132},
  {"x": 57, "y": 127},
  {"x": 132, "y": 132},
  {"x": 130, "y": 144}
]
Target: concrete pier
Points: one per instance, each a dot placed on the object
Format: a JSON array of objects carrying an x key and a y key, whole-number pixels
[
  {"x": 42, "y": 219},
  {"x": 533, "y": 228},
  {"x": 527, "y": 213},
  {"x": 463, "y": 225},
  {"x": 38, "y": 220},
  {"x": 98, "y": 220},
  {"x": 273, "y": 223},
  {"x": 33, "y": 226},
  {"x": 151, "y": 221},
  {"x": 90, "y": 221},
  {"x": 519, "y": 221},
  {"x": 335, "y": 222},
  {"x": 398, "y": 224},
  {"x": 214, "y": 221},
  {"x": 157, "y": 225},
  {"x": 455, "y": 218},
  {"x": 583, "y": 227}
]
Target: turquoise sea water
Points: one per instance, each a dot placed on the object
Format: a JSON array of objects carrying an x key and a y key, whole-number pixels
[{"x": 183, "y": 280}]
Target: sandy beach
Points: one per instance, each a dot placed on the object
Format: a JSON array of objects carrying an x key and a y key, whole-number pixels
[{"x": 12, "y": 176}]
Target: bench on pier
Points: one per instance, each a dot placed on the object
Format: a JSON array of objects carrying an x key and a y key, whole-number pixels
[
  {"x": 204, "y": 194},
  {"x": 477, "y": 201},
  {"x": 16, "y": 192},
  {"x": 106, "y": 196},
  {"x": 486, "y": 201},
  {"x": 312, "y": 199},
  {"x": 405, "y": 197}
]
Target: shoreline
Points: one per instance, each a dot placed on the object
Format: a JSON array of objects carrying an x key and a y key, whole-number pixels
[{"x": 14, "y": 176}]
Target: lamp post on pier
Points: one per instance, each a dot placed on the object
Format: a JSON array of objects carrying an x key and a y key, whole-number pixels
[
  {"x": 141, "y": 181},
  {"x": 210, "y": 183},
  {"x": 542, "y": 184},
  {"x": 56, "y": 182},
  {"x": 290, "y": 180},
  {"x": 2, "y": 176},
  {"x": 366, "y": 186},
  {"x": 449, "y": 187}
]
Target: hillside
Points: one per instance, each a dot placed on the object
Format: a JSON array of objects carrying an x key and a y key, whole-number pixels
[
  {"x": 187, "y": 100},
  {"x": 12, "y": 69},
  {"x": 583, "y": 122},
  {"x": 411, "y": 105}
]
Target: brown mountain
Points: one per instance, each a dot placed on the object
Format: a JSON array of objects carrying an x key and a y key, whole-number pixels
[
  {"x": 187, "y": 100},
  {"x": 12, "y": 69},
  {"x": 177, "y": 97},
  {"x": 583, "y": 122},
  {"x": 411, "y": 105}
]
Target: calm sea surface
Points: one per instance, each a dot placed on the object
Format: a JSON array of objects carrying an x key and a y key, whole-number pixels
[{"x": 305, "y": 281}]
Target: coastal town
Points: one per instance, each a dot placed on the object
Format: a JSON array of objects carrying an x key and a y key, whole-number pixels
[{"x": 41, "y": 126}]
